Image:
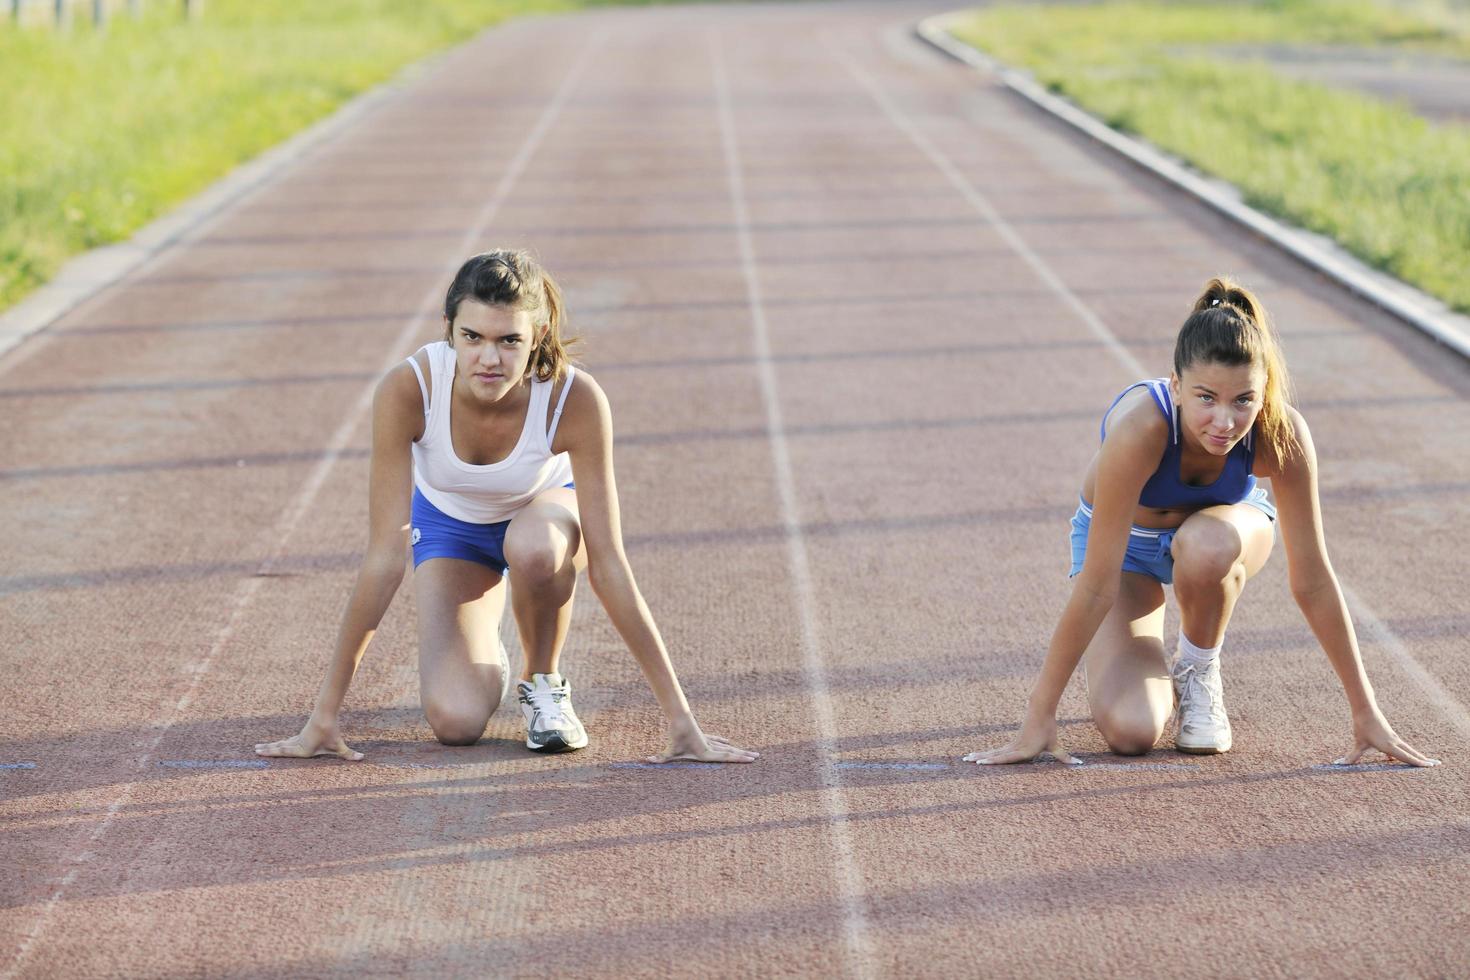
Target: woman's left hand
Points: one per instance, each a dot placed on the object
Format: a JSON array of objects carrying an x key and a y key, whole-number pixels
[
  {"x": 1371, "y": 731},
  {"x": 686, "y": 741}
]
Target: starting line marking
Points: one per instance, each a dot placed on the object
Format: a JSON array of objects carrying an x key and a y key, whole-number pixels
[
  {"x": 1366, "y": 767},
  {"x": 939, "y": 766},
  {"x": 1137, "y": 766},
  {"x": 909, "y": 766},
  {"x": 933, "y": 766}
]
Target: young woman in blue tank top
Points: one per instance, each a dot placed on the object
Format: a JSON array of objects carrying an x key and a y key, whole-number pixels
[
  {"x": 476, "y": 441},
  {"x": 1171, "y": 497}
]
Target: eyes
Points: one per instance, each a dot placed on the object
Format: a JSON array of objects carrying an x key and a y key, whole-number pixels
[
  {"x": 509, "y": 340},
  {"x": 1244, "y": 401}
]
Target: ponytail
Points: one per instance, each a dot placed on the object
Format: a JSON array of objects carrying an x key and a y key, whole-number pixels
[{"x": 549, "y": 359}]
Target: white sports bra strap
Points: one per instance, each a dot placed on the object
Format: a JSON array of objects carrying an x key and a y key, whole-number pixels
[
  {"x": 560, "y": 404},
  {"x": 423, "y": 388}
]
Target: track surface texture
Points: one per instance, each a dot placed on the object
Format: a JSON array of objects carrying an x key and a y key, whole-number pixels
[{"x": 858, "y": 311}]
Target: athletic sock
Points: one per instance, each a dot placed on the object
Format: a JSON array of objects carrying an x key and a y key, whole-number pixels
[{"x": 1197, "y": 656}]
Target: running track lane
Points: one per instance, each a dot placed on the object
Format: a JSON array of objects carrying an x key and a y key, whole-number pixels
[{"x": 857, "y": 311}]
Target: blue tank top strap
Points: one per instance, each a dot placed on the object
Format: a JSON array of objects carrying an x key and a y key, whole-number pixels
[{"x": 1158, "y": 389}]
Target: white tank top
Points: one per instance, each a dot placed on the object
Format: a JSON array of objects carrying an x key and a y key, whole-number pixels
[{"x": 496, "y": 491}]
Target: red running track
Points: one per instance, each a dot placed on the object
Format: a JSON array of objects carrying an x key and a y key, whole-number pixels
[{"x": 858, "y": 311}]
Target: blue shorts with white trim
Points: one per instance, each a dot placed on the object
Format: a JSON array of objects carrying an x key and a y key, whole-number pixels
[
  {"x": 437, "y": 535},
  {"x": 1148, "y": 547}
]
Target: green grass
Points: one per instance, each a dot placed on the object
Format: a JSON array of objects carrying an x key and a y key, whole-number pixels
[
  {"x": 1391, "y": 187},
  {"x": 105, "y": 130}
]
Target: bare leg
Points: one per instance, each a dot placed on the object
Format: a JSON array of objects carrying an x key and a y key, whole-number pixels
[
  {"x": 459, "y": 609},
  {"x": 543, "y": 547},
  {"x": 1215, "y": 551},
  {"x": 1128, "y": 684}
]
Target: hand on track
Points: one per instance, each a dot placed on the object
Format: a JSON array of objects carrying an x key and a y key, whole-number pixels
[
  {"x": 1371, "y": 731},
  {"x": 688, "y": 742},
  {"x": 314, "y": 740},
  {"x": 1036, "y": 737}
]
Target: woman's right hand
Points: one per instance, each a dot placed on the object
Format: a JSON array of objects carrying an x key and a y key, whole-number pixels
[
  {"x": 316, "y": 738},
  {"x": 1038, "y": 734},
  {"x": 687, "y": 741}
]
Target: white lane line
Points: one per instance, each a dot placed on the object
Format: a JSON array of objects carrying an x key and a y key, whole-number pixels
[
  {"x": 280, "y": 533},
  {"x": 987, "y": 211},
  {"x": 17, "y": 765},
  {"x": 849, "y": 880},
  {"x": 1412, "y": 305},
  {"x": 1377, "y": 631},
  {"x": 1451, "y": 708}
]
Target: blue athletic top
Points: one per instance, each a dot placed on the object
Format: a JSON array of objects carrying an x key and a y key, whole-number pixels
[{"x": 1165, "y": 490}]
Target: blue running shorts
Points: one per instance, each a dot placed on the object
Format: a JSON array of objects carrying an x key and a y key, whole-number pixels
[
  {"x": 1148, "y": 548},
  {"x": 437, "y": 535}
]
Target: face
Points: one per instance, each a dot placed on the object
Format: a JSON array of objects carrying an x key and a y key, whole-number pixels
[
  {"x": 1218, "y": 403},
  {"x": 492, "y": 348}
]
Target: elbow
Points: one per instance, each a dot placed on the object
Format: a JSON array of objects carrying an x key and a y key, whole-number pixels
[
  {"x": 1096, "y": 598},
  {"x": 382, "y": 568},
  {"x": 606, "y": 577},
  {"x": 597, "y": 577},
  {"x": 1307, "y": 592}
]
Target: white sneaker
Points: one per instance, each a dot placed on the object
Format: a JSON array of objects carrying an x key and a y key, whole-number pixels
[
  {"x": 551, "y": 724},
  {"x": 1204, "y": 728}
]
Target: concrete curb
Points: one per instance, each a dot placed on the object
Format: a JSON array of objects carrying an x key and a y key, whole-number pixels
[
  {"x": 1416, "y": 308},
  {"x": 90, "y": 273}
]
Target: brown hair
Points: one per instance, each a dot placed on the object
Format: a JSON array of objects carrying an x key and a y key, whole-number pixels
[
  {"x": 1229, "y": 326},
  {"x": 512, "y": 278}
]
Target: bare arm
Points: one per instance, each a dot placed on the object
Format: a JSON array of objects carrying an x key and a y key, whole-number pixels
[
  {"x": 587, "y": 435},
  {"x": 397, "y": 421},
  {"x": 1129, "y": 454},
  {"x": 1315, "y": 587}
]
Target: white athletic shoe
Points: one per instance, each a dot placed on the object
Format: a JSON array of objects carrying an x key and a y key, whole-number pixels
[
  {"x": 1204, "y": 728},
  {"x": 551, "y": 724}
]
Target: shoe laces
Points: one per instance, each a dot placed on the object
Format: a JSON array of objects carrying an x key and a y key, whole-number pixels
[
  {"x": 547, "y": 703},
  {"x": 1201, "y": 694}
]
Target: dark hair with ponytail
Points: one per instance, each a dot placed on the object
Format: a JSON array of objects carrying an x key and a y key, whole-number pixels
[
  {"x": 512, "y": 278},
  {"x": 1229, "y": 326}
]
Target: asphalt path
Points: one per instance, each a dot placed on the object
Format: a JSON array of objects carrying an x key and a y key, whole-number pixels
[
  {"x": 1437, "y": 88},
  {"x": 858, "y": 310}
]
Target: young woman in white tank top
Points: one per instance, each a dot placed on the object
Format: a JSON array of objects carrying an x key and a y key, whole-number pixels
[{"x": 476, "y": 441}]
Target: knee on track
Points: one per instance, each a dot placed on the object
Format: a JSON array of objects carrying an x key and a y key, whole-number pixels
[
  {"x": 455, "y": 724},
  {"x": 1128, "y": 734}
]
